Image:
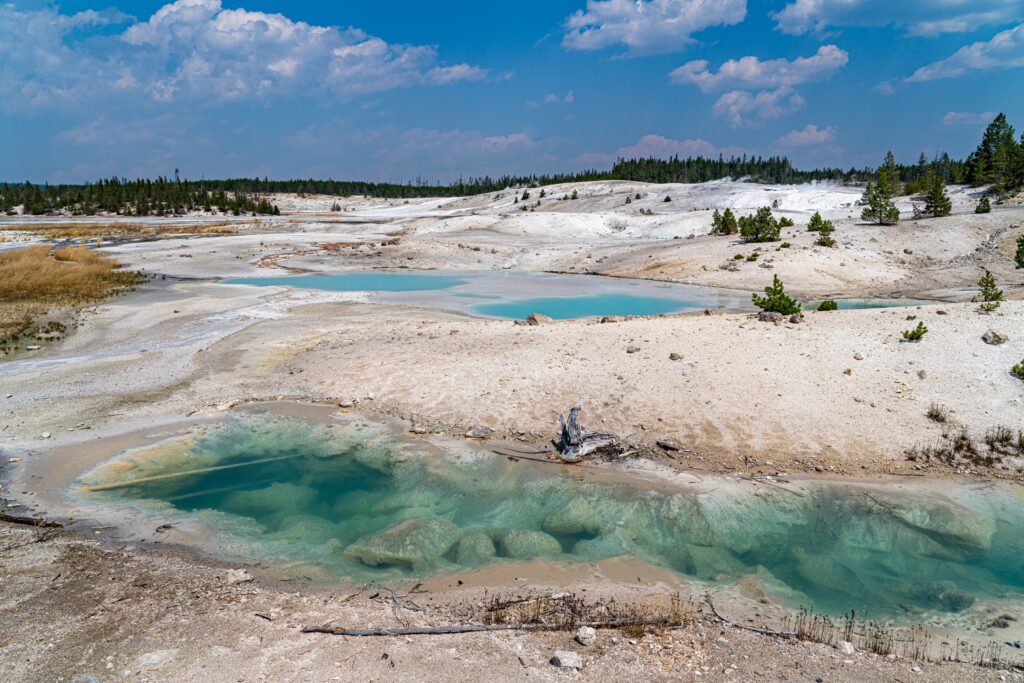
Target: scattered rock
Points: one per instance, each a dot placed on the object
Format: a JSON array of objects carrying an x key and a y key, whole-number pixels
[
  {"x": 45, "y": 435},
  {"x": 908, "y": 251},
  {"x": 994, "y": 337},
  {"x": 478, "y": 432},
  {"x": 348, "y": 403},
  {"x": 669, "y": 444},
  {"x": 921, "y": 374},
  {"x": 152, "y": 660},
  {"x": 940, "y": 312},
  {"x": 585, "y": 635},
  {"x": 770, "y": 317},
  {"x": 611, "y": 319},
  {"x": 796, "y": 319},
  {"x": 237, "y": 576},
  {"x": 846, "y": 647},
  {"x": 474, "y": 548},
  {"x": 565, "y": 659},
  {"x": 535, "y": 319},
  {"x": 858, "y": 356},
  {"x": 632, "y": 349},
  {"x": 674, "y": 356}
]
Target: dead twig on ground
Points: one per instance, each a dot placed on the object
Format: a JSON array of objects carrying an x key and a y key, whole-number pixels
[
  {"x": 30, "y": 521},
  {"x": 752, "y": 629}
]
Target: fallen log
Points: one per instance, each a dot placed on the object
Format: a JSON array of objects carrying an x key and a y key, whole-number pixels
[
  {"x": 30, "y": 521},
  {"x": 476, "y": 628},
  {"x": 577, "y": 442}
]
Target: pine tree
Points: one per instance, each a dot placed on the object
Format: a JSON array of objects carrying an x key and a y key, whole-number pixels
[
  {"x": 761, "y": 227},
  {"x": 990, "y": 294},
  {"x": 817, "y": 223},
  {"x": 983, "y": 206},
  {"x": 724, "y": 223},
  {"x": 880, "y": 208},
  {"x": 1019, "y": 256},
  {"x": 776, "y": 300},
  {"x": 937, "y": 202},
  {"x": 995, "y": 161},
  {"x": 825, "y": 235}
]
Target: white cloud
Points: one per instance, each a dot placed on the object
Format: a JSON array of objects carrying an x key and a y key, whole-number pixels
[
  {"x": 740, "y": 106},
  {"x": 916, "y": 17},
  {"x": 197, "y": 51},
  {"x": 664, "y": 148},
  {"x": 751, "y": 72},
  {"x": 967, "y": 119},
  {"x": 552, "y": 98},
  {"x": 808, "y": 136},
  {"x": 647, "y": 26},
  {"x": 1004, "y": 51}
]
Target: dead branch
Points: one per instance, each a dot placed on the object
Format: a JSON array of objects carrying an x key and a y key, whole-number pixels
[
  {"x": 577, "y": 442},
  {"x": 474, "y": 628},
  {"x": 753, "y": 629},
  {"x": 30, "y": 521}
]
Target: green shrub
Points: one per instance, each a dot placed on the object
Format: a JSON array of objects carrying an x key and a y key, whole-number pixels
[
  {"x": 776, "y": 300},
  {"x": 738, "y": 257},
  {"x": 828, "y": 305},
  {"x": 817, "y": 223},
  {"x": 760, "y": 227},
  {"x": 724, "y": 223},
  {"x": 983, "y": 206},
  {"x": 785, "y": 245},
  {"x": 786, "y": 222},
  {"x": 753, "y": 256},
  {"x": 1019, "y": 257},
  {"x": 990, "y": 294},
  {"x": 915, "y": 334},
  {"x": 1018, "y": 369},
  {"x": 825, "y": 240},
  {"x": 667, "y": 198}
]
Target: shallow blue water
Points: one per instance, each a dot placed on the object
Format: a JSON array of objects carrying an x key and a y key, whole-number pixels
[
  {"x": 356, "y": 282},
  {"x": 361, "y": 503},
  {"x": 569, "y": 307}
]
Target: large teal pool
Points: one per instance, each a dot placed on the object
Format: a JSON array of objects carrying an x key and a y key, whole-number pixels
[
  {"x": 364, "y": 503},
  {"x": 515, "y": 296}
]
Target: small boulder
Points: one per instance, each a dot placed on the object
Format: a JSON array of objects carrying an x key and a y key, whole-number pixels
[
  {"x": 474, "y": 548},
  {"x": 846, "y": 647},
  {"x": 770, "y": 317},
  {"x": 478, "y": 432},
  {"x": 412, "y": 543},
  {"x": 796, "y": 319},
  {"x": 674, "y": 356},
  {"x": 858, "y": 356},
  {"x": 535, "y": 319},
  {"x": 564, "y": 659},
  {"x": 234, "y": 577},
  {"x": 994, "y": 337},
  {"x": 632, "y": 349},
  {"x": 586, "y": 635},
  {"x": 668, "y": 444}
]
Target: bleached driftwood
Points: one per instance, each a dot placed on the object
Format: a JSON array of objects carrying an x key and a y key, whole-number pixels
[{"x": 576, "y": 441}]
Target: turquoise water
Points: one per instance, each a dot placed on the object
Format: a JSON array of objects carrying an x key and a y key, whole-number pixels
[
  {"x": 356, "y": 282},
  {"x": 361, "y": 502},
  {"x": 569, "y": 307},
  {"x": 861, "y": 304}
]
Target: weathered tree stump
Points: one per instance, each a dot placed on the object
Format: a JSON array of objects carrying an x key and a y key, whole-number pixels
[{"x": 577, "y": 442}]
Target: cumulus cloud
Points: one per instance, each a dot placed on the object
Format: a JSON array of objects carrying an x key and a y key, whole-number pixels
[
  {"x": 647, "y": 26},
  {"x": 751, "y": 72},
  {"x": 808, "y": 136},
  {"x": 916, "y": 17},
  {"x": 1004, "y": 51},
  {"x": 196, "y": 50},
  {"x": 568, "y": 98},
  {"x": 740, "y": 106},
  {"x": 967, "y": 119},
  {"x": 664, "y": 148}
]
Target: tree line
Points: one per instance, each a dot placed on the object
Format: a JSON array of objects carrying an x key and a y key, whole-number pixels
[{"x": 998, "y": 161}]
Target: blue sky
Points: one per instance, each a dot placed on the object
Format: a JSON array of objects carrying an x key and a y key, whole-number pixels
[{"x": 405, "y": 89}]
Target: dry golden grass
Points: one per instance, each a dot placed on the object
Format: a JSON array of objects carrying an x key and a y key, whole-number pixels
[
  {"x": 35, "y": 280},
  {"x": 122, "y": 230}
]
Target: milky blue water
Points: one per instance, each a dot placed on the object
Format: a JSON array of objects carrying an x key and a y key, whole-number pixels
[
  {"x": 361, "y": 502},
  {"x": 366, "y": 281},
  {"x": 570, "y": 307}
]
